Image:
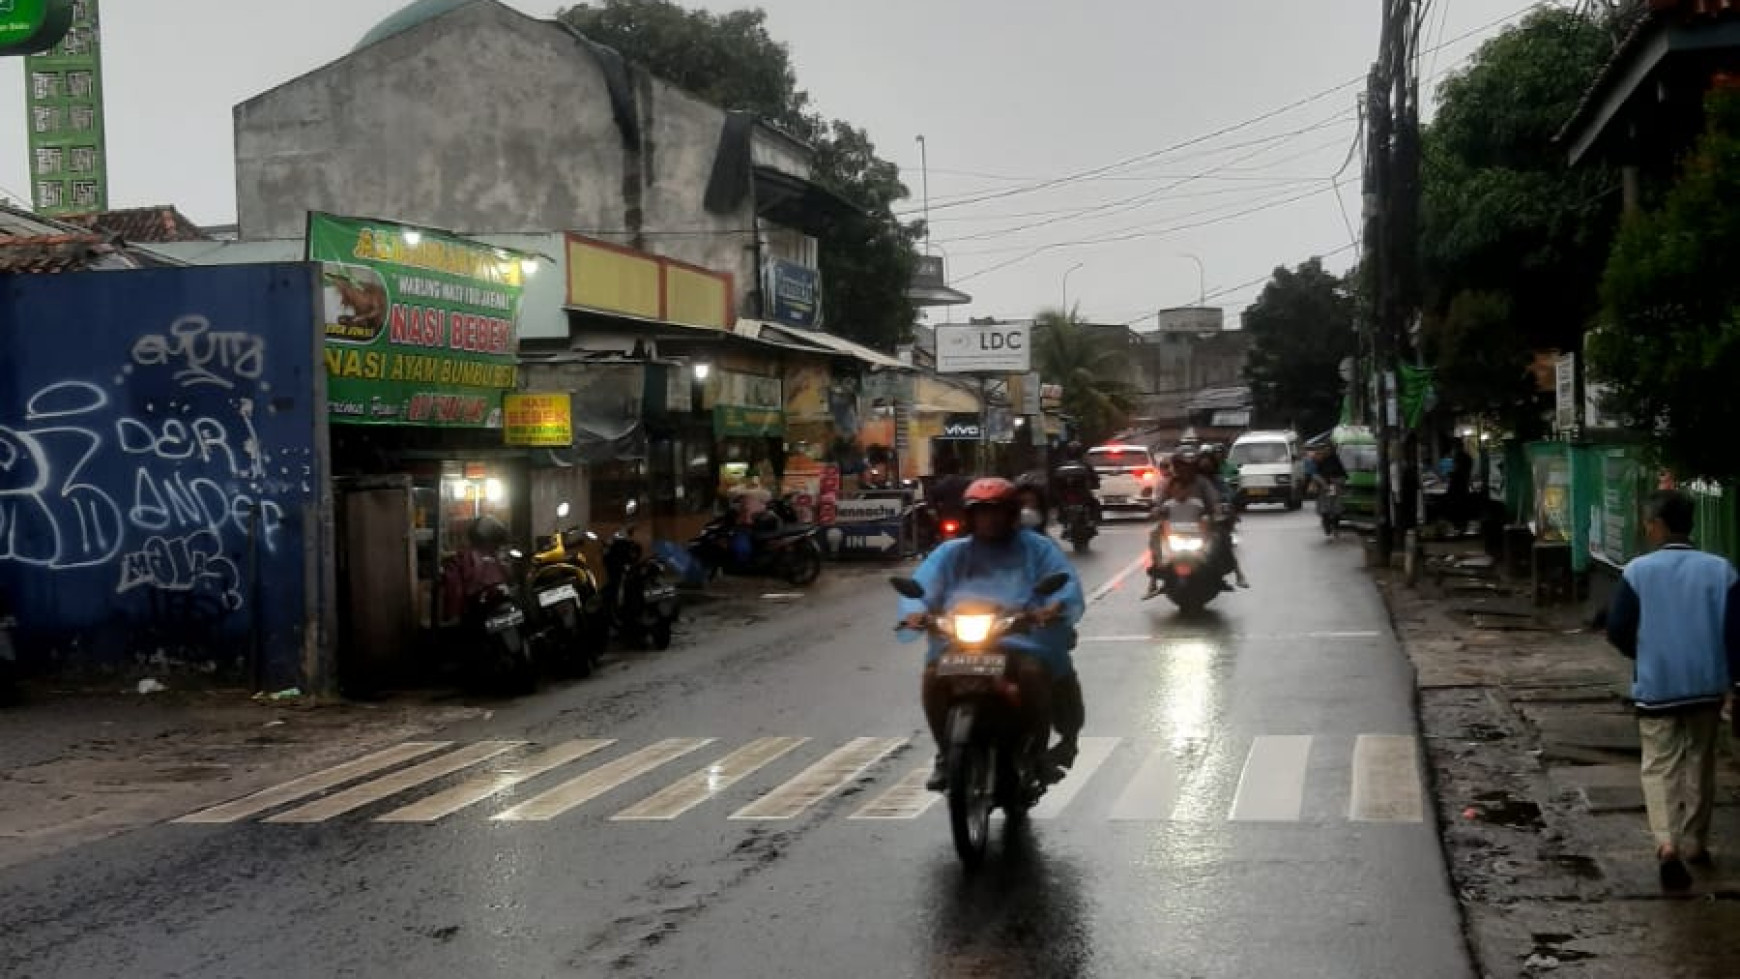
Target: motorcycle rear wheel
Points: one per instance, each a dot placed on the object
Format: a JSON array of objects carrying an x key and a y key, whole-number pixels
[{"x": 804, "y": 565}]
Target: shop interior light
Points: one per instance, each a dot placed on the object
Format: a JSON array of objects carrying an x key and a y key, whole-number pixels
[
  {"x": 529, "y": 266},
  {"x": 456, "y": 489},
  {"x": 702, "y": 370},
  {"x": 413, "y": 238},
  {"x": 493, "y": 490}
]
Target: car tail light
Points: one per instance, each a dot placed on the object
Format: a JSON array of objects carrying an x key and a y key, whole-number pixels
[
  {"x": 951, "y": 527},
  {"x": 1148, "y": 475}
]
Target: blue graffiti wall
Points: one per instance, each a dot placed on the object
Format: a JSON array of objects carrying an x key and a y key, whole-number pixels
[{"x": 159, "y": 479}]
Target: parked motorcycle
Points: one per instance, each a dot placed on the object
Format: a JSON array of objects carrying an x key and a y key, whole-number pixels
[
  {"x": 638, "y": 594},
  {"x": 771, "y": 548},
  {"x": 1186, "y": 565},
  {"x": 993, "y": 754},
  {"x": 493, "y": 652},
  {"x": 567, "y": 629}
]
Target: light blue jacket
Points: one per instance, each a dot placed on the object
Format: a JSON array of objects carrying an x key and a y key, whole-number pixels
[
  {"x": 1675, "y": 613},
  {"x": 1004, "y": 575}
]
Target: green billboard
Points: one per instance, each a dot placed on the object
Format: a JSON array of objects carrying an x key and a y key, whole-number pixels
[
  {"x": 63, "y": 90},
  {"x": 422, "y": 328},
  {"x": 30, "y": 26}
]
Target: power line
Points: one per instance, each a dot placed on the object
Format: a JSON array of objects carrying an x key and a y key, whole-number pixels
[{"x": 1258, "y": 281}]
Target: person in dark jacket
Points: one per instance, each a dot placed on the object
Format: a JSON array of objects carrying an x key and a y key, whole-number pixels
[{"x": 1677, "y": 613}]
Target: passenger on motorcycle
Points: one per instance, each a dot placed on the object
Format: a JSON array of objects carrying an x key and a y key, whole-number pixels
[
  {"x": 1184, "y": 507},
  {"x": 1076, "y": 482},
  {"x": 1030, "y": 497},
  {"x": 1001, "y": 564},
  {"x": 1212, "y": 471}
]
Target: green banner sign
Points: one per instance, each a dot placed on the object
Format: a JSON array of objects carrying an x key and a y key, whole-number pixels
[
  {"x": 421, "y": 327},
  {"x": 32, "y": 26},
  {"x": 742, "y": 422}
]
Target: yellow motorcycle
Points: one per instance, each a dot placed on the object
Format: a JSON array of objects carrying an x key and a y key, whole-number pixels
[{"x": 568, "y": 626}]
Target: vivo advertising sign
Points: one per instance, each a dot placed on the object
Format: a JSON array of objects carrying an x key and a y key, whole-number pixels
[{"x": 1002, "y": 348}]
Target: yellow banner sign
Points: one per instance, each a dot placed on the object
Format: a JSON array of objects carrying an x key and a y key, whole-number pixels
[{"x": 538, "y": 420}]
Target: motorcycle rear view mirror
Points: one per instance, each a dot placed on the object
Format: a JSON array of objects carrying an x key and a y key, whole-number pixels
[
  {"x": 1051, "y": 584},
  {"x": 516, "y": 554},
  {"x": 909, "y": 588},
  {"x": 632, "y": 508},
  {"x": 563, "y": 509}
]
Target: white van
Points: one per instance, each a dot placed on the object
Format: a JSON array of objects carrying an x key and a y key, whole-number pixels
[{"x": 1271, "y": 469}]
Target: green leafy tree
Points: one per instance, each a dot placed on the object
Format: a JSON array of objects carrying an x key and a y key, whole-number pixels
[
  {"x": 731, "y": 61},
  {"x": 1670, "y": 344},
  {"x": 1089, "y": 367},
  {"x": 1512, "y": 241},
  {"x": 1301, "y": 330}
]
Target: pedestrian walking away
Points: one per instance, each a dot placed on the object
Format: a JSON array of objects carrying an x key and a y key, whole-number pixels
[{"x": 1677, "y": 613}]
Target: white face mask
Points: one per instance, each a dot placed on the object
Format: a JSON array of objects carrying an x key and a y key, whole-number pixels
[{"x": 1032, "y": 518}]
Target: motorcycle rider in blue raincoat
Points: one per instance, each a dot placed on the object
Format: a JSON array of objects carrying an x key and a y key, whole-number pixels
[{"x": 1000, "y": 563}]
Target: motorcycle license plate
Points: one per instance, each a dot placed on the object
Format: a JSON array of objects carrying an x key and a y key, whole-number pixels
[
  {"x": 662, "y": 593},
  {"x": 556, "y": 596},
  {"x": 971, "y": 664},
  {"x": 504, "y": 621}
]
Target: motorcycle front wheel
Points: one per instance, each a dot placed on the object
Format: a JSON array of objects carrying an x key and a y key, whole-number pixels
[
  {"x": 659, "y": 635},
  {"x": 804, "y": 564},
  {"x": 972, "y": 792}
]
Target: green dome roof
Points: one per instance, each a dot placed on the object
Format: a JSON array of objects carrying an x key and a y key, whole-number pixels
[{"x": 413, "y": 14}]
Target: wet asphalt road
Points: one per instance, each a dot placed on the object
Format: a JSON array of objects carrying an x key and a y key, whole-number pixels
[{"x": 1250, "y": 805}]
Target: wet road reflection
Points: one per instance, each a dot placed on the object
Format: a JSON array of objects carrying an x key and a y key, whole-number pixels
[{"x": 1023, "y": 914}]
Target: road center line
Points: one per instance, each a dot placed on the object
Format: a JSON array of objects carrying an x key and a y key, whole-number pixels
[{"x": 1118, "y": 579}]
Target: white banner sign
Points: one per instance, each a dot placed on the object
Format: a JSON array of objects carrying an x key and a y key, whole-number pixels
[
  {"x": 866, "y": 511},
  {"x": 1000, "y": 349}
]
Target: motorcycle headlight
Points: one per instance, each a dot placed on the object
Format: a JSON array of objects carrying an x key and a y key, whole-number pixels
[
  {"x": 972, "y": 629},
  {"x": 1183, "y": 544}
]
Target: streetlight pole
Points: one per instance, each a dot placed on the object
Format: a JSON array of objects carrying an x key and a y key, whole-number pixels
[
  {"x": 924, "y": 170},
  {"x": 1072, "y": 270},
  {"x": 1201, "y": 279}
]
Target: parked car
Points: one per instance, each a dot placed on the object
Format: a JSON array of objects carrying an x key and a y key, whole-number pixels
[
  {"x": 1271, "y": 469},
  {"x": 1129, "y": 477}
]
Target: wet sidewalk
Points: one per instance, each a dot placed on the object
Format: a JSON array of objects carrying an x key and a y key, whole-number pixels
[{"x": 1534, "y": 756}]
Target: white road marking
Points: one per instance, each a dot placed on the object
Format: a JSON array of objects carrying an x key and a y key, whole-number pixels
[
  {"x": 443, "y": 804},
  {"x": 1272, "y": 788},
  {"x": 313, "y": 783},
  {"x": 820, "y": 780},
  {"x": 1233, "y": 637},
  {"x": 1118, "y": 580},
  {"x": 387, "y": 786},
  {"x": 578, "y": 791},
  {"x": 906, "y": 799},
  {"x": 1386, "y": 780},
  {"x": 1092, "y": 755},
  {"x": 1153, "y": 793},
  {"x": 692, "y": 790}
]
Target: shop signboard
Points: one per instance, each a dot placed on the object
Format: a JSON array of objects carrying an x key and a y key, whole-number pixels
[
  {"x": 538, "y": 420},
  {"x": 963, "y": 428},
  {"x": 796, "y": 293},
  {"x": 421, "y": 327},
  {"x": 996, "y": 348},
  {"x": 867, "y": 526},
  {"x": 740, "y": 421},
  {"x": 1565, "y": 393},
  {"x": 64, "y": 95},
  {"x": 32, "y": 26}
]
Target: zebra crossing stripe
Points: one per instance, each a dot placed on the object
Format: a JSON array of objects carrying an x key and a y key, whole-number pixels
[
  {"x": 820, "y": 780},
  {"x": 692, "y": 790},
  {"x": 313, "y": 783},
  {"x": 906, "y": 799},
  {"x": 443, "y": 804},
  {"x": 1153, "y": 793},
  {"x": 1092, "y": 754},
  {"x": 1386, "y": 780},
  {"x": 352, "y": 799},
  {"x": 1272, "y": 786},
  {"x": 579, "y": 791}
]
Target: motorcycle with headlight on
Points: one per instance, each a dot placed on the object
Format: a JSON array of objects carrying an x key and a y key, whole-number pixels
[
  {"x": 1184, "y": 564},
  {"x": 994, "y": 751}
]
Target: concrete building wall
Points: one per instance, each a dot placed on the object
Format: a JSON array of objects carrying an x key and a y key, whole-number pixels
[{"x": 487, "y": 120}]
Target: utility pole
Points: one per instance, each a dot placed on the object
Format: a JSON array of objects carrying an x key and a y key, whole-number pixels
[
  {"x": 924, "y": 172},
  {"x": 1392, "y": 190}
]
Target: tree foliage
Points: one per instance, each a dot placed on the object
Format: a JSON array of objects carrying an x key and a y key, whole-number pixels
[
  {"x": 1670, "y": 342},
  {"x": 1301, "y": 330},
  {"x": 1512, "y": 240},
  {"x": 1089, "y": 367},
  {"x": 731, "y": 61}
]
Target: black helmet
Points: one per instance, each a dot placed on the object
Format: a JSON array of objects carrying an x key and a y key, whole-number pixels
[
  {"x": 1073, "y": 451},
  {"x": 487, "y": 533},
  {"x": 1032, "y": 483}
]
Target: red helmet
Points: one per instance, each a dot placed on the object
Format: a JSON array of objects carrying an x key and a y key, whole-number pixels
[{"x": 992, "y": 490}]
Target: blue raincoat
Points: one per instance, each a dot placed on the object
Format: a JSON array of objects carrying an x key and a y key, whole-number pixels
[{"x": 1002, "y": 574}]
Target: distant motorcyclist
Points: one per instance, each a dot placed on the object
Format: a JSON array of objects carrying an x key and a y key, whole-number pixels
[
  {"x": 1001, "y": 564},
  {"x": 1184, "y": 507},
  {"x": 1074, "y": 481},
  {"x": 1030, "y": 495}
]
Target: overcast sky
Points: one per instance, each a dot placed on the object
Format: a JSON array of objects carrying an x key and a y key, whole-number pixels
[{"x": 1008, "y": 93}]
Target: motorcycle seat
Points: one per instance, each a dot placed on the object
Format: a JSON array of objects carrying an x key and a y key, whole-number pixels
[{"x": 783, "y": 532}]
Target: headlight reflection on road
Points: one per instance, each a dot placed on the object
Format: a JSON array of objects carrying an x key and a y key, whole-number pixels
[{"x": 1186, "y": 688}]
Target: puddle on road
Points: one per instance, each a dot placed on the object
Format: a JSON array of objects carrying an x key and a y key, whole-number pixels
[{"x": 1500, "y": 809}]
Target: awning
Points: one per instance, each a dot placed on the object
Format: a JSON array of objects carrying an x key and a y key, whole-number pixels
[
  {"x": 829, "y": 342},
  {"x": 798, "y": 203}
]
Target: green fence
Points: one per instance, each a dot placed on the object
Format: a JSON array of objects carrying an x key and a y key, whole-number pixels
[{"x": 1718, "y": 521}]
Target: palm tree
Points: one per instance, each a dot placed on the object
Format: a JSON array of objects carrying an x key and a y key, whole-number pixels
[{"x": 1067, "y": 352}]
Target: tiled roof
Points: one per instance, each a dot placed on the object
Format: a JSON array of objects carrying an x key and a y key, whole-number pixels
[
  {"x": 49, "y": 254},
  {"x": 143, "y": 224},
  {"x": 1659, "y": 14}
]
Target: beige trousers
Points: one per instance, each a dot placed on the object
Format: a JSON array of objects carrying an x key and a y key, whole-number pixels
[{"x": 1679, "y": 776}]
